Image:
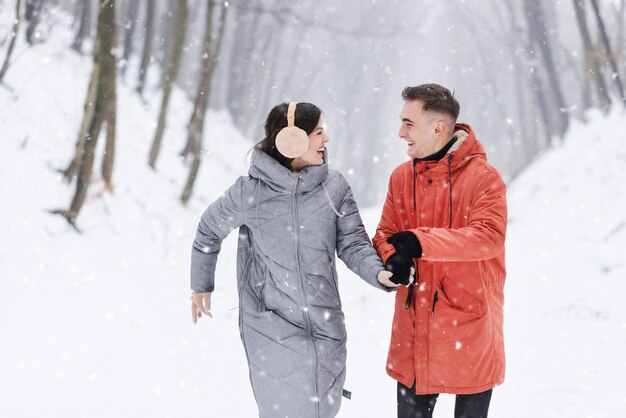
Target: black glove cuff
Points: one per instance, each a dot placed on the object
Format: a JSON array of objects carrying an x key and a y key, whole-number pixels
[
  {"x": 400, "y": 267},
  {"x": 406, "y": 244}
]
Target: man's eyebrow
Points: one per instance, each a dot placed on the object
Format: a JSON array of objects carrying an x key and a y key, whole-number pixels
[{"x": 407, "y": 120}]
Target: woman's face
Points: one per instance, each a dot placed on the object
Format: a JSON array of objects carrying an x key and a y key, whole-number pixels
[{"x": 314, "y": 155}]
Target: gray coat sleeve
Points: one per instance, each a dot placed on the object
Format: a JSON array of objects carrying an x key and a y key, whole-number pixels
[
  {"x": 221, "y": 217},
  {"x": 354, "y": 247}
]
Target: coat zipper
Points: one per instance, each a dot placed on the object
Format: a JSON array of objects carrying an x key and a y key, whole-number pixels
[
  {"x": 450, "y": 156},
  {"x": 414, "y": 178},
  {"x": 305, "y": 311}
]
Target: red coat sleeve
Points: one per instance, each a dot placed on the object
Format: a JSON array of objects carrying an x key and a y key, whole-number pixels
[
  {"x": 387, "y": 226},
  {"x": 481, "y": 239}
]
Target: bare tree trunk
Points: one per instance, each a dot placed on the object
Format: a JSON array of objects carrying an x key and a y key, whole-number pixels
[
  {"x": 608, "y": 51},
  {"x": 146, "y": 56},
  {"x": 32, "y": 14},
  {"x": 539, "y": 30},
  {"x": 104, "y": 67},
  {"x": 14, "y": 31},
  {"x": 241, "y": 61},
  {"x": 621, "y": 41},
  {"x": 204, "y": 86},
  {"x": 528, "y": 138},
  {"x": 92, "y": 91},
  {"x": 84, "y": 27},
  {"x": 210, "y": 54},
  {"x": 173, "y": 63},
  {"x": 592, "y": 67},
  {"x": 129, "y": 30},
  {"x": 111, "y": 121},
  {"x": 109, "y": 150},
  {"x": 539, "y": 91}
]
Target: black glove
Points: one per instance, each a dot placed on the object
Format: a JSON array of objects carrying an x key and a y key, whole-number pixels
[
  {"x": 400, "y": 266},
  {"x": 406, "y": 244}
]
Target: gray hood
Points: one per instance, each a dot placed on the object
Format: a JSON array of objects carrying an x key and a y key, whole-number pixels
[{"x": 280, "y": 178}]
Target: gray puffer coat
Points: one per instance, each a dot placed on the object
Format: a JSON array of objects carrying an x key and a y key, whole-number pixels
[{"x": 290, "y": 318}]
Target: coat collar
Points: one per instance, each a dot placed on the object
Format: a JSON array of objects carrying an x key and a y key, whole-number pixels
[
  {"x": 280, "y": 178},
  {"x": 462, "y": 151}
]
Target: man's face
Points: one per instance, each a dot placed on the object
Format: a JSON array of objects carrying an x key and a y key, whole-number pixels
[{"x": 423, "y": 131}]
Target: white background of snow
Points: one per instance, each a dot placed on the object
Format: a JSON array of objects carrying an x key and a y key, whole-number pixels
[{"x": 98, "y": 324}]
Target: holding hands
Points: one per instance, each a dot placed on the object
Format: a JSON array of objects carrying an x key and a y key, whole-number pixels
[{"x": 407, "y": 248}]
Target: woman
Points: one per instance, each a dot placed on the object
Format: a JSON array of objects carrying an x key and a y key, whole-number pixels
[{"x": 293, "y": 214}]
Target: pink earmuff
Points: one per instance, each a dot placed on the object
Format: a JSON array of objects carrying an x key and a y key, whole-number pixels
[{"x": 292, "y": 141}]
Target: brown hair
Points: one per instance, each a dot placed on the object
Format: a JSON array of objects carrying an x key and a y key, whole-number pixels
[
  {"x": 435, "y": 97},
  {"x": 307, "y": 117}
]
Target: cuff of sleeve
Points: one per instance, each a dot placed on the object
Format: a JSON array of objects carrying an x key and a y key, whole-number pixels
[{"x": 203, "y": 289}]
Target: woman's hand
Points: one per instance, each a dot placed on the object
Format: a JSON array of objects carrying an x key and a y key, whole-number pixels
[
  {"x": 384, "y": 278},
  {"x": 200, "y": 304}
]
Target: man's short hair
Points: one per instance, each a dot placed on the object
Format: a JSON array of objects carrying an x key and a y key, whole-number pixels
[{"x": 435, "y": 98}]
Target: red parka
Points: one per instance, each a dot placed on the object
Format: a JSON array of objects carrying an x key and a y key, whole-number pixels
[{"x": 450, "y": 339}]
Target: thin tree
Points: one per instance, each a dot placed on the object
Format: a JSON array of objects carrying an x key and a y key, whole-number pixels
[
  {"x": 241, "y": 61},
  {"x": 111, "y": 121},
  {"x": 172, "y": 66},
  {"x": 92, "y": 91},
  {"x": 539, "y": 31},
  {"x": 129, "y": 31},
  {"x": 207, "y": 65},
  {"x": 620, "y": 40},
  {"x": 103, "y": 70},
  {"x": 14, "y": 31},
  {"x": 210, "y": 53},
  {"x": 146, "y": 55},
  {"x": 592, "y": 66},
  {"x": 32, "y": 14},
  {"x": 84, "y": 25},
  {"x": 607, "y": 50},
  {"x": 526, "y": 124}
]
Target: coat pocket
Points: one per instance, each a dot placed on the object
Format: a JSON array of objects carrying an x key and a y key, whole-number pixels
[
  {"x": 462, "y": 298},
  {"x": 334, "y": 279},
  {"x": 262, "y": 307}
]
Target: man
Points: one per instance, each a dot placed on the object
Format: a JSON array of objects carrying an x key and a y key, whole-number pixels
[{"x": 445, "y": 215}]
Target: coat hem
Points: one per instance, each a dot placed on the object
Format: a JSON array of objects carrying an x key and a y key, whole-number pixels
[{"x": 463, "y": 390}]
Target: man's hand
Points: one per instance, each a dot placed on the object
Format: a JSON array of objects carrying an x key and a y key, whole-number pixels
[
  {"x": 200, "y": 304},
  {"x": 401, "y": 267},
  {"x": 406, "y": 244}
]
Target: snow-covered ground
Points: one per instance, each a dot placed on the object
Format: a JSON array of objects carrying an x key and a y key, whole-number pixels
[{"x": 98, "y": 324}]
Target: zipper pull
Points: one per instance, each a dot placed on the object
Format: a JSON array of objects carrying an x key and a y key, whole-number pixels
[
  {"x": 301, "y": 178},
  {"x": 435, "y": 299},
  {"x": 409, "y": 296}
]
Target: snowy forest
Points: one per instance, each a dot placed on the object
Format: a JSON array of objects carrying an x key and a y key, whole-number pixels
[{"x": 121, "y": 120}]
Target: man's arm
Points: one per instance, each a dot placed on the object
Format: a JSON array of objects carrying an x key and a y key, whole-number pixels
[
  {"x": 482, "y": 239},
  {"x": 401, "y": 265}
]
